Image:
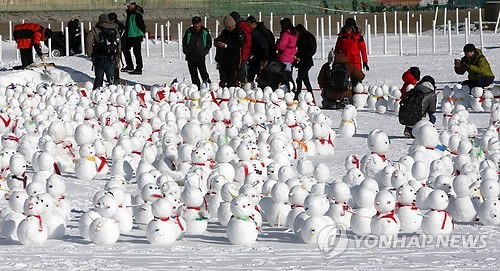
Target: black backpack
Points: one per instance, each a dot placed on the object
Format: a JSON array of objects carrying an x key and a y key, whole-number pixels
[
  {"x": 410, "y": 110},
  {"x": 107, "y": 45},
  {"x": 339, "y": 77}
]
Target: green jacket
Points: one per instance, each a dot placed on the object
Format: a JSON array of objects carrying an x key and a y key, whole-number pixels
[
  {"x": 135, "y": 26},
  {"x": 477, "y": 66}
]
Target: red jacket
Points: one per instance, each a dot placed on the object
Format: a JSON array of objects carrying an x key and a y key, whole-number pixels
[
  {"x": 407, "y": 79},
  {"x": 247, "y": 45},
  {"x": 28, "y": 35},
  {"x": 353, "y": 46}
]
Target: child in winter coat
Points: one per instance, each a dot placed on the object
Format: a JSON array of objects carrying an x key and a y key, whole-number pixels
[
  {"x": 428, "y": 87},
  {"x": 410, "y": 77},
  {"x": 334, "y": 90}
]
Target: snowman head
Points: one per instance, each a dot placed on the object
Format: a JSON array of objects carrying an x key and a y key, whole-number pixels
[
  {"x": 298, "y": 195},
  {"x": 385, "y": 202},
  {"x": 199, "y": 155},
  {"x": 150, "y": 192},
  {"x": 305, "y": 167},
  {"x": 406, "y": 194},
  {"x": 17, "y": 199},
  {"x": 87, "y": 150},
  {"x": 107, "y": 205},
  {"x": 378, "y": 141},
  {"x": 285, "y": 172},
  {"x": 315, "y": 205},
  {"x": 420, "y": 170},
  {"x": 192, "y": 196},
  {"x": 241, "y": 206},
  {"x": 229, "y": 191},
  {"x": 340, "y": 192},
  {"x": 162, "y": 208},
  {"x": 490, "y": 188},
  {"x": 427, "y": 136},
  {"x": 84, "y": 134},
  {"x": 33, "y": 206},
  {"x": 35, "y": 188},
  {"x": 399, "y": 177},
  {"x": 244, "y": 151},
  {"x": 17, "y": 165},
  {"x": 279, "y": 192},
  {"x": 321, "y": 173},
  {"x": 438, "y": 200},
  {"x": 365, "y": 198}
]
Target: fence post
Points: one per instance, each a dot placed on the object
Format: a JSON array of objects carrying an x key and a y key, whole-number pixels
[
  {"x": 147, "y": 43},
  {"x": 66, "y": 39},
  {"x": 322, "y": 38},
  {"x": 385, "y": 34},
  {"x": 260, "y": 16},
  {"x": 420, "y": 23},
  {"x": 433, "y": 36},
  {"x": 168, "y": 31},
  {"x": 271, "y": 22},
  {"x": 498, "y": 19},
  {"x": 466, "y": 32},
  {"x": 445, "y": 22},
  {"x": 156, "y": 33},
  {"x": 481, "y": 36},
  {"x": 179, "y": 43},
  {"x": 417, "y": 44},
  {"x": 82, "y": 37},
  {"x": 369, "y": 39},
  {"x": 162, "y": 40},
  {"x": 50, "y": 44},
  {"x": 317, "y": 28},
  {"x": 450, "y": 50},
  {"x": 400, "y": 37},
  {"x": 1, "y": 49},
  {"x": 407, "y": 23},
  {"x": 395, "y": 23},
  {"x": 10, "y": 30},
  {"x": 468, "y": 26},
  {"x": 456, "y": 19},
  {"x": 375, "y": 25},
  {"x": 329, "y": 27}
]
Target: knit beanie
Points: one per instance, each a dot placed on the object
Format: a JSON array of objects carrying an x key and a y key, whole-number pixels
[
  {"x": 229, "y": 21},
  {"x": 103, "y": 18},
  {"x": 429, "y": 79}
]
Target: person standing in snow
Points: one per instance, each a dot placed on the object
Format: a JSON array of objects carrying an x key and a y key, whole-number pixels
[
  {"x": 286, "y": 46},
  {"x": 306, "y": 48},
  {"x": 350, "y": 43},
  {"x": 196, "y": 44},
  {"x": 103, "y": 58},
  {"x": 135, "y": 28},
  {"x": 246, "y": 48},
  {"x": 228, "y": 52}
]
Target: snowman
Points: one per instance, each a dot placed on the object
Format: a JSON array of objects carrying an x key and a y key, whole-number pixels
[
  {"x": 85, "y": 167},
  {"x": 315, "y": 207},
  {"x": 228, "y": 192},
  {"x": 385, "y": 222},
  {"x": 407, "y": 210},
  {"x": 241, "y": 228},
  {"x": 360, "y": 97},
  {"x": 32, "y": 231},
  {"x": 297, "y": 197},
  {"x": 162, "y": 230},
  {"x": 323, "y": 139},
  {"x": 56, "y": 187},
  {"x": 17, "y": 179},
  {"x": 340, "y": 211},
  {"x": 361, "y": 218},
  {"x": 348, "y": 122},
  {"x": 194, "y": 214},
  {"x": 143, "y": 213},
  {"x": 489, "y": 210},
  {"x": 461, "y": 207},
  {"x": 104, "y": 231},
  {"x": 277, "y": 214},
  {"x": 476, "y": 102},
  {"x": 84, "y": 222},
  {"x": 437, "y": 221}
]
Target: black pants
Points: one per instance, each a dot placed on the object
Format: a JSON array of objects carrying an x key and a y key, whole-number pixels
[
  {"x": 289, "y": 78},
  {"x": 228, "y": 74},
  {"x": 303, "y": 76},
  {"x": 253, "y": 69},
  {"x": 26, "y": 56},
  {"x": 194, "y": 67},
  {"x": 480, "y": 82},
  {"x": 104, "y": 66},
  {"x": 135, "y": 44}
]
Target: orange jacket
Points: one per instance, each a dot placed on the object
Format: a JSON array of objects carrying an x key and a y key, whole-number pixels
[{"x": 28, "y": 35}]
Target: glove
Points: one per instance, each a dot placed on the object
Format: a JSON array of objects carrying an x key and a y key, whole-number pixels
[{"x": 365, "y": 66}]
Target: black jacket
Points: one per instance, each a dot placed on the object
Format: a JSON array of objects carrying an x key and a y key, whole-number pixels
[
  {"x": 270, "y": 39},
  {"x": 196, "y": 45},
  {"x": 260, "y": 46},
  {"x": 232, "y": 54},
  {"x": 306, "y": 48},
  {"x": 430, "y": 98}
]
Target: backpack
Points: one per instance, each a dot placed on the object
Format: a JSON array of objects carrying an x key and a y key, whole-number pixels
[
  {"x": 107, "y": 45},
  {"x": 410, "y": 110},
  {"x": 339, "y": 77}
]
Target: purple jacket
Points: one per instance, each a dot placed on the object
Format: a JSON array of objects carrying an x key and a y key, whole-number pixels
[{"x": 286, "y": 46}]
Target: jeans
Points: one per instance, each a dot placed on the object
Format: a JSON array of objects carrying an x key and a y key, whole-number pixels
[
  {"x": 104, "y": 66},
  {"x": 135, "y": 44},
  {"x": 194, "y": 67},
  {"x": 480, "y": 82}
]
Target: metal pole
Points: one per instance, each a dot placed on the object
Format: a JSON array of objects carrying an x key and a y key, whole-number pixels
[
  {"x": 407, "y": 23},
  {"x": 147, "y": 43},
  {"x": 10, "y": 30},
  {"x": 66, "y": 38},
  {"x": 385, "y": 34},
  {"x": 481, "y": 36},
  {"x": 498, "y": 19},
  {"x": 400, "y": 37},
  {"x": 82, "y": 37},
  {"x": 444, "y": 22},
  {"x": 395, "y": 23},
  {"x": 433, "y": 36},
  {"x": 417, "y": 44},
  {"x": 322, "y": 38},
  {"x": 466, "y": 32},
  {"x": 50, "y": 45},
  {"x": 179, "y": 43},
  {"x": 449, "y": 38},
  {"x": 369, "y": 39},
  {"x": 156, "y": 33},
  {"x": 375, "y": 25},
  {"x": 162, "y": 40}
]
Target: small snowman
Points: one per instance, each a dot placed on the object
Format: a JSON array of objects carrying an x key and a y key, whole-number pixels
[
  {"x": 361, "y": 218},
  {"x": 104, "y": 231},
  {"x": 280, "y": 208},
  {"x": 437, "y": 221},
  {"x": 85, "y": 167},
  {"x": 360, "y": 97},
  {"x": 340, "y": 211},
  {"x": 407, "y": 210},
  {"x": 348, "y": 122},
  {"x": 162, "y": 230},
  {"x": 461, "y": 207},
  {"x": 32, "y": 231},
  {"x": 17, "y": 179},
  {"x": 193, "y": 214},
  {"x": 315, "y": 206},
  {"x": 241, "y": 229},
  {"x": 84, "y": 222},
  {"x": 477, "y": 99},
  {"x": 489, "y": 210},
  {"x": 385, "y": 222},
  {"x": 297, "y": 197},
  {"x": 228, "y": 192}
]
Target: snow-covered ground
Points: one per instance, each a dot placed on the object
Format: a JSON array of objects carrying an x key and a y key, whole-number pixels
[{"x": 276, "y": 248}]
